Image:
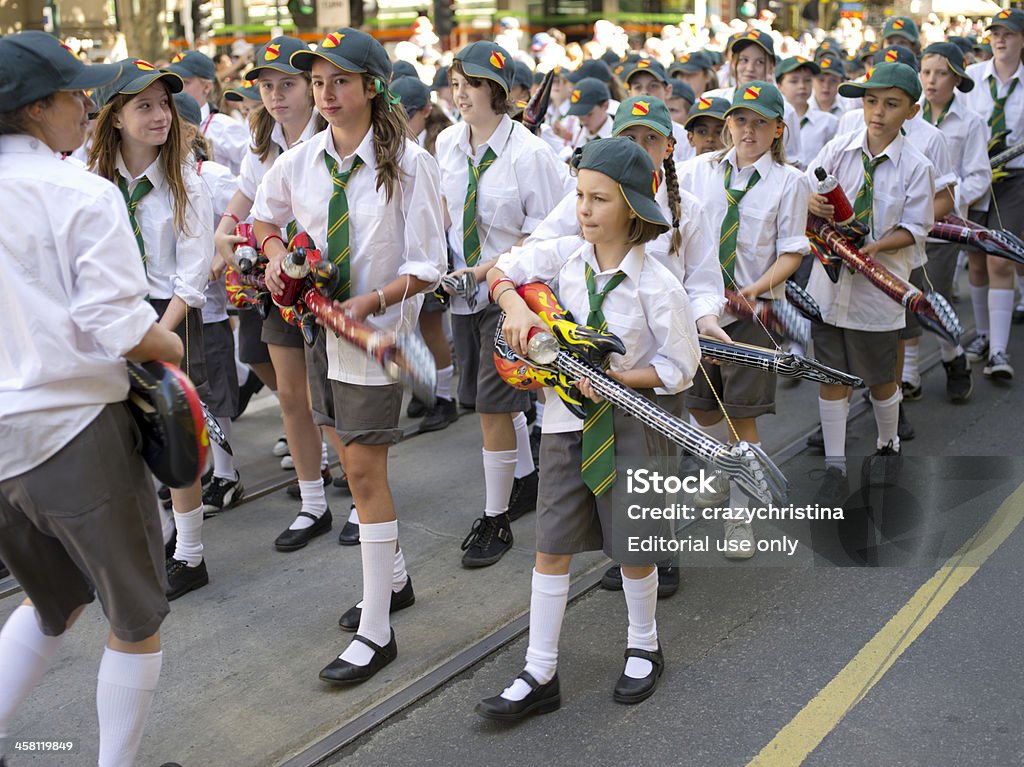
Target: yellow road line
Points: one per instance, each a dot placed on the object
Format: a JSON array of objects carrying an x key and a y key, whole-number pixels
[{"x": 794, "y": 742}]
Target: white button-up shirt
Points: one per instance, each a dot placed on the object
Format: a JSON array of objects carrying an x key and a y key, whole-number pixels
[
  {"x": 789, "y": 116},
  {"x": 773, "y": 214},
  {"x": 582, "y": 136},
  {"x": 387, "y": 239},
  {"x": 696, "y": 267},
  {"x": 220, "y": 184},
  {"x": 979, "y": 99},
  {"x": 817, "y": 128},
  {"x": 902, "y": 199},
  {"x": 230, "y": 138},
  {"x": 74, "y": 301},
  {"x": 514, "y": 195},
  {"x": 654, "y": 322},
  {"x": 253, "y": 169},
  {"x": 177, "y": 261},
  {"x": 966, "y": 136}
]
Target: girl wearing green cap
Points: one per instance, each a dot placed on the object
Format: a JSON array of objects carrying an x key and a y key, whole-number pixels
[
  {"x": 609, "y": 278},
  {"x": 138, "y": 143},
  {"x": 273, "y": 347},
  {"x": 369, "y": 198},
  {"x": 757, "y": 207},
  {"x": 77, "y": 505}
]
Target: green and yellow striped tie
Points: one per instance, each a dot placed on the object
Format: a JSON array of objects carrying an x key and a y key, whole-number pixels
[
  {"x": 132, "y": 200},
  {"x": 865, "y": 200},
  {"x": 338, "y": 248},
  {"x": 731, "y": 226},
  {"x": 927, "y": 113},
  {"x": 598, "y": 468},
  {"x": 290, "y": 230},
  {"x": 470, "y": 232},
  {"x": 997, "y": 120}
]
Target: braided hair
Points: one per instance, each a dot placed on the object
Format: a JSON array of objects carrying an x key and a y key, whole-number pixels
[{"x": 672, "y": 189}]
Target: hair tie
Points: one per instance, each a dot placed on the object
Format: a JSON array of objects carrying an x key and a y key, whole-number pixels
[{"x": 675, "y": 223}]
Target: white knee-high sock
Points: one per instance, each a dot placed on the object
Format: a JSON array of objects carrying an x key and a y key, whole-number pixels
[
  {"x": 25, "y": 654},
  {"x": 399, "y": 575},
  {"x": 834, "y": 414},
  {"x": 223, "y": 461},
  {"x": 499, "y": 474},
  {"x": 887, "y": 419},
  {"x": 444, "y": 382},
  {"x": 911, "y": 370},
  {"x": 641, "y": 604},
  {"x": 377, "y": 542},
  {"x": 979, "y": 303},
  {"x": 524, "y": 458},
  {"x": 1000, "y": 315},
  {"x": 548, "y": 597},
  {"x": 125, "y": 687},
  {"x": 189, "y": 544},
  {"x": 314, "y": 501}
]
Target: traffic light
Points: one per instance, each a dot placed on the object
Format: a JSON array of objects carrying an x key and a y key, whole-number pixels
[
  {"x": 444, "y": 17},
  {"x": 202, "y": 18},
  {"x": 303, "y": 13}
]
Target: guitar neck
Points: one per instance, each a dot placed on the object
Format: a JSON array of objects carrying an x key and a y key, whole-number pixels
[{"x": 1007, "y": 155}]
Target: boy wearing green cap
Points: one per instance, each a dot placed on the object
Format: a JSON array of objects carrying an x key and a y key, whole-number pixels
[
  {"x": 648, "y": 78},
  {"x": 498, "y": 181},
  {"x": 832, "y": 72},
  {"x": 588, "y": 102},
  {"x": 705, "y": 124},
  {"x": 795, "y": 78},
  {"x": 999, "y": 98},
  {"x": 610, "y": 280},
  {"x": 902, "y": 31},
  {"x": 943, "y": 101},
  {"x": 891, "y": 186}
]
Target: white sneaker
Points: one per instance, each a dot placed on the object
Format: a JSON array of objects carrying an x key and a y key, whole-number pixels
[
  {"x": 719, "y": 494},
  {"x": 287, "y": 463},
  {"x": 280, "y": 447},
  {"x": 740, "y": 538}
]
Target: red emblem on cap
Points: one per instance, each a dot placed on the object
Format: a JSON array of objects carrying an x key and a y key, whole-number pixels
[
  {"x": 751, "y": 93},
  {"x": 575, "y": 96},
  {"x": 497, "y": 60},
  {"x": 704, "y": 103},
  {"x": 898, "y": 24},
  {"x": 177, "y": 57},
  {"x": 332, "y": 40},
  {"x": 643, "y": 64},
  {"x": 144, "y": 66},
  {"x": 1004, "y": 15},
  {"x": 654, "y": 183},
  {"x": 891, "y": 56},
  {"x": 641, "y": 108},
  {"x": 272, "y": 52}
]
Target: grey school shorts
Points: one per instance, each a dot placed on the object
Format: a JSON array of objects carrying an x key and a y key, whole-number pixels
[
  {"x": 280, "y": 333},
  {"x": 321, "y": 397},
  {"x": 1005, "y": 206},
  {"x": 940, "y": 272},
  {"x": 869, "y": 354},
  {"x": 746, "y": 392},
  {"x": 479, "y": 381},
  {"x": 251, "y": 348},
  {"x": 190, "y": 331},
  {"x": 85, "y": 522},
  {"x": 219, "y": 349},
  {"x": 367, "y": 415},
  {"x": 570, "y": 519}
]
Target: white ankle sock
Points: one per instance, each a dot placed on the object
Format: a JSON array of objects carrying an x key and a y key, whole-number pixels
[
  {"x": 887, "y": 420},
  {"x": 314, "y": 501},
  {"x": 377, "y": 542},
  {"x": 223, "y": 461},
  {"x": 1000, "y": 315},
  {"x": 911, "y": 371},
  {"x": 949, "y": 351},
  {"x": 834, "y": 414},
  {"x": 353, "y": 515},
  {"x": 719, "y": 430},
  {"x": 189, "y": 545},
  {"x": 641, "y": 605},
  {"x": 25, "y": 654},
  {"x": 399, "y": 575},
  {"x": 166, "y": 522},
  {"x": 444, "y": 382},
  {"x": 979, "y": 303},
  {"x": 548, "y": 597},
  {"x": 499, "y": 474},
  {"x": 524, "y": 458},
  {"x": 125, "y": 687}
]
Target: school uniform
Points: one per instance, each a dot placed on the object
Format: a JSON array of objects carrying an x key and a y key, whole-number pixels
[
  {"x": 862, "y": 324},
  {"x": 177, "y": 262},
  {"x": 657, "y": 328},
  {"x": 387, "y": 239},
  {"x": 230, "y": 139},
  {"x": 513, "y": 196},
  {"x": 255, "y": 333},
  {"x": 582, "y": 136},
  {"x": 76, "y": 481},
  {"x": 218, "y": 338},
  {"x": 772, "y": 221},
  {"x": 817, "y": 128},
  {"x": 789, "y": 117}
]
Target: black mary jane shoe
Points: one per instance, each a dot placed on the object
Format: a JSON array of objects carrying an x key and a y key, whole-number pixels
[
  {"x": 293, "y": 540},
  {"x": 542, "y": 699},
  {"x": 629, "y": 690},
  {"x": 349, "y": 535},
  {"x": 341, "y": 671},
  {"x": 399, "y": 601}
]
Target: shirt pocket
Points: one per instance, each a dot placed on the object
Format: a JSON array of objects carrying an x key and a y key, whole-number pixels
[
  {"x": 632, "y": 330},
  {"x": 499, "y": 208},
  {"x": 887, "y": 212},
  {"x": 756, "y": 237},
  {"x": 372, "y": 226}
]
